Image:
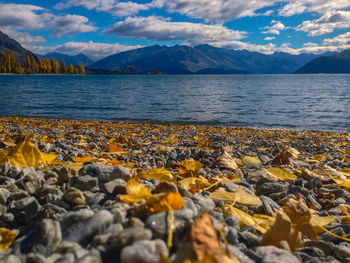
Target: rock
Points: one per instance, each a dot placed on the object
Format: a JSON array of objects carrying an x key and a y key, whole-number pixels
[
  {"x": 158, "y": 222},
  {"x": 9, "y": 259},
  {"x": 4, "y": 195},
  {"x": 65, "y": 247},
  {"x": 342, "y": 251},
  {"x": 268, "y": 188},
  {"x": 232, "y": 236},
  {"x": 242, "y": 257},
  {"x": 30, "y": 206},
  {"x": 35, "y": 258},
  {"x": 204, "y": 202},
  {"x": 95, "y": 224},
  {"x": 119, "y": 214},
  {"x": 165, "y": 187},
  {"x": 127, "y": 237},
  {"x": 271, "y": 254},
  {"x": 269, "y": 205},
  {"x": 74, "y": 196},
  {"x": 312, "y": 251},
  {"x": 146, "y": 251},
  {"x": 85, "y": 183},
  {"x": 91, "y": 257},
  {"x": 70, "y": 221},
  {"x": 105, "y": 173},
  {"x": 115, "y": 187}
]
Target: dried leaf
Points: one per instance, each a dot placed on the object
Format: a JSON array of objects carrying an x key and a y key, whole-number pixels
[
  {"x": 204, "y": 237},
  {"x": 240, "y": 197},
  {"x": 189, "y": 168},
  {"x": 136, "y": 192},
  {"x": 281, "y": 159},
  {"x": 226, "y": 161},
  {"x": 160, "y": 174},
  {"x": 281, "y": 174},
  {"x": 3, "y": 157},
  {"x": 161, "y": 202},
  {"x": 249, "y": 160},
  {"x": 170, "y": 140},
  {"x": 202, "y": 142},
  {"x": 317, "y": 221},
  {"x": 48, "y": 158},
  {"x": 112, "y": 147},
  {"x": 26, "y": 154},
  {"x": 278, "y": 232},
  {"x": 7, "y": 237},
  {"x": 293, "y": 152}
]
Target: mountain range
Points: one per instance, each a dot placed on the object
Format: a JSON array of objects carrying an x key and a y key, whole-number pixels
[
  {"x": 76, "y": 60},
  {"x": 337, "y": 63},
  {"x": 8, "y": 44},
  {"x": 201, "y": 59}
]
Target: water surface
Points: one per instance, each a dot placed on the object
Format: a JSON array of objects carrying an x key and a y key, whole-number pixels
[{"x": 311, "y": 102}]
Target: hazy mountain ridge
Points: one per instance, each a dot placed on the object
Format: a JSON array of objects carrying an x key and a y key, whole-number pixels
[
  {"x": 338, "y": 63},
  {"x": 182, "y": 59},
  {"x": 76, "y": 60},
  {"x": 8, "y": 44}
]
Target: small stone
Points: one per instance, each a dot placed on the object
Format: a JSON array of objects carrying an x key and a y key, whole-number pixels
[
  {"x": 205, "y": 202},
  {"x": 91, "y": 257},
  {"x": 74, "y": 196},
  {"x": 115, "y": 187},
  {"x": 270, "y": 188},
  {"x": 4, "y": 195},
  {"x": 35, "y": 258},
  {"x": 271, "y": 254},
  {"x": 70, "y": 221},
  {"x": 65, "y": 247},
  {"x": 96, "y": 224},
  {"x": 146, "y": 251},
  {"x": 9, "y": 259},
  {"x": 342, "y": 251},
  {"x": 269, "y": 205},
  {"x": 30, "y": 206},
  {"x": 165, "y": 187},
  {"x": 136, "y": 222},
  {"x": 312, "y": 251},
  {"x": 85, "y": 183},
  {"x": 127, "y": 237},
  {"x": 121, "y": 172}
]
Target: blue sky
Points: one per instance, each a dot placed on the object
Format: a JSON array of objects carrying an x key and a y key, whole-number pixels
[{"x": 99, "y": 28}]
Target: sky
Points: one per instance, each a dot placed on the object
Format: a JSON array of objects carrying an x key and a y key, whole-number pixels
[{"x": 98, "y": 28}]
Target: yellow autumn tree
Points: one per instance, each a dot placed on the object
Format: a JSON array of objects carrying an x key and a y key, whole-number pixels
[
  {"x": 71, "y": 69},
  {"x": 82, "y": 69},
  {"x": 55, "y": 66},
  {"x": 48, "y": 65},
  {"x": 63, "y": 67}
]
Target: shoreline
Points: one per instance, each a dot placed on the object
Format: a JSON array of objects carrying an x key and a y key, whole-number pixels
[{"x": 104, "y": 191}]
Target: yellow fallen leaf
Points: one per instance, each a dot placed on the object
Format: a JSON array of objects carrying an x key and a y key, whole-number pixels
[
  {"x": 48, "y": 158},
  {"x": 226, "y": 161},
  {"x": 160, "y": 174},
  {"x": 84, "y": 159},
  {"x": 279, "y": 231},
  {"x": 345, "y": 184},
  {"x": 170, "y": 140},
  {"x": 244, "y": 218},
  {"x": 201, "y": 142},
  {"x": 345, "y": 171},
  {"x": 240, "y": 197},
  {"x": 248, "y": 160},
  {"x": 317, "y": 221},
  {"x": 7, "y": 237},
  {"x": 281, "y": 174},
  {"x": 75, "y": 167},
  {"x": 26, "y": 154},
  {"x": 293, "y": 152},
  {"x": 189, "y": 168},
  {"x": 112, "y": 147},
  {"x": 196, "y": 182},
  {"x": 161, "y": 202},
  {"x": 3, "y": 157},
  {"x": 136, "y": 192}
]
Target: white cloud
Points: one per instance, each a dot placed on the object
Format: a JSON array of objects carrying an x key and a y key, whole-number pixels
[
  {"x": 342, "y": 39},
  {"x": 23, "y": 16},
  {"x": 27, "y": 17},
  {"x": 269, "y": 38},
  {"x": 319, "y": 6},
  {"x": 158, "y": 29},
  {"x": 218, "y": 10},
  {"x": 24, "y": 38},
  {"x": 93, "y": 50},
  {"x": 275, "y": 28},
  {"x": 70, "y": 24},
  {"x": 326, "y": 24},
  {"x": 310, "y": 44},
  {"x": 113, "y": 7}
]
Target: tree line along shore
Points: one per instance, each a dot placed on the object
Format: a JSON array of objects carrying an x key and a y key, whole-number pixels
[{"x": 37, "y": 65}]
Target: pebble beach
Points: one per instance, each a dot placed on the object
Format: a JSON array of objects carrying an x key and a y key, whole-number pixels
[{"x": 89, "y": 191}]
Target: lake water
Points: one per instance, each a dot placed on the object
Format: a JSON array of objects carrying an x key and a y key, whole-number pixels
[{"x": 311, "y": 102}]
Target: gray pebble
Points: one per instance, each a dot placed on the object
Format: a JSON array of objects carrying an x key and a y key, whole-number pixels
[{"x": 146, "y": 251}]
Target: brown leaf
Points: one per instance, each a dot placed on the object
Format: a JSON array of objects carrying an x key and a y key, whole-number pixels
[
  {"x": 204, "y": 237},
  {"x": 281, "y": 159},
  {"x": 226, "y": 161},
  {"x": 278, "y": 232},
  {"x": 296, "y": 209}
]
